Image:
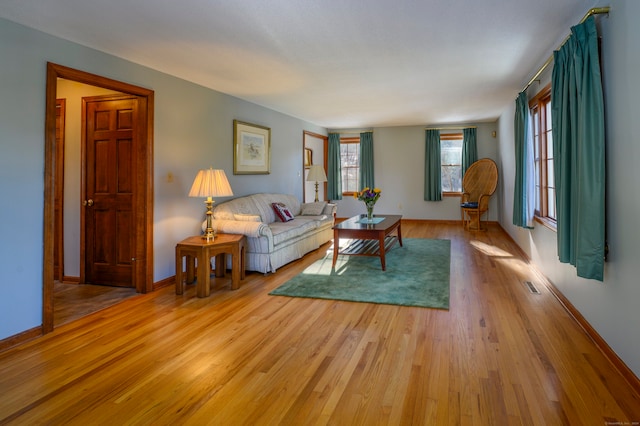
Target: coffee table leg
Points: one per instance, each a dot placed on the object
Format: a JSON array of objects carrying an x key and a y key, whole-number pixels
[{"x": 400, "y": 233}]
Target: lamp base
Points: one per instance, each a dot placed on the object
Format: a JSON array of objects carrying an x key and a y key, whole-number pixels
[
  {"x": 209, "y": 233},
  {"x": 209, "y": 236}
]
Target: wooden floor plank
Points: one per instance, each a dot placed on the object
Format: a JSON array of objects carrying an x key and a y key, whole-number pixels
[{"x": 499, "y": 355}]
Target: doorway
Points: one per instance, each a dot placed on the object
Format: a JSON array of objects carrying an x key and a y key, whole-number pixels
[
  {"x": 314, "y": 151},
  {"x": 141, "y": 262}
]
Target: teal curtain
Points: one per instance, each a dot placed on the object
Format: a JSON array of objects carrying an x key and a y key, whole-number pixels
[
  {"x": 366, "y": 160},
  {"x": 469, "y": 148},
  {"x": 432, "y": 169},
  {"x": 334, "y": 170},
  {"x": 577, "y": 115},
  {"x": 524, "y": 187}
]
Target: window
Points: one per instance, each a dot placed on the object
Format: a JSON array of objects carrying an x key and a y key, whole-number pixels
[
  {"x": 451, "y": 162},
  {"x": 545, "y": 198},
  {"x": 350, "y": 163}
]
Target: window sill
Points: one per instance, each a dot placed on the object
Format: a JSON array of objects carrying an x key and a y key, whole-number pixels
[{"x": 547, "y": 222}]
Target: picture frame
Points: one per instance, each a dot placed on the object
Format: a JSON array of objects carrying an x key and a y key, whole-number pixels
[
  {"x": 308, "y": 157},
  {"x": 251, "y": 149}
]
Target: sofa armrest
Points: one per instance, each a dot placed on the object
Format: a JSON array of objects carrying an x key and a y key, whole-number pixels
[
  {"x": 250, "y": 229},
  {"x": 330, "y": 210}
]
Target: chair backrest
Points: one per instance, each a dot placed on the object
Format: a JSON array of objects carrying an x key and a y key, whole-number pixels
[{"x": 481, "y": 178}]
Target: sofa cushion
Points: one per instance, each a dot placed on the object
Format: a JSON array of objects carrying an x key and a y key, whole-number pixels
[
  {"x": 282, "y": 212},
  {"x": 298, "y": 227},
  {"x": 313, "y": 209}
]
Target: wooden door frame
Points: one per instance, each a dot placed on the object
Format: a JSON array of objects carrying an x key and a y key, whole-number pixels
[
  {"x": 59, "y": 191},
  {"x": 143, "y": 198}
]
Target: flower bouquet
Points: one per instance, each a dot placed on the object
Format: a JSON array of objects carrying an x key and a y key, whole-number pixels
[{"x": 369, "y": 197}]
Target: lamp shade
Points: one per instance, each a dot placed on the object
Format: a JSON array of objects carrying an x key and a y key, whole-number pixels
[
  {"x": 210, "y": 183},
  {"x": 316, "y": 174}
]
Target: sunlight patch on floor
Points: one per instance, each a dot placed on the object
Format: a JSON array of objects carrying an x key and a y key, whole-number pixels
[
  {"x": 323, "y": 267},
  {"x": 519, "y": 266},
  {"x": 516, "y": 265},
  {"x": 489, "y": 249}
]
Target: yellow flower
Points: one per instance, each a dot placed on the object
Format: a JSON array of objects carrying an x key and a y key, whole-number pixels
[{"x": 377, "y": 190}]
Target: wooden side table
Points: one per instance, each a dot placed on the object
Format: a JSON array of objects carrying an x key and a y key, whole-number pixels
[{"x": 198, "y": 248}]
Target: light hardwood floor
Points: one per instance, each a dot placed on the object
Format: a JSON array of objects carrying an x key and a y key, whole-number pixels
[{"x": 500, "y": 355}]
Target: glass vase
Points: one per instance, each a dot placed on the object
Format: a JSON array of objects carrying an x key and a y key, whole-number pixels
[{"x": 369, "y": 212}]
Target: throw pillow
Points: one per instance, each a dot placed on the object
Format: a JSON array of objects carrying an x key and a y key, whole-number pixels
[
  {"x": 282, "y": 212},
  {"x": 313, "y": 209},
  {"x": 247, "y": 217}
]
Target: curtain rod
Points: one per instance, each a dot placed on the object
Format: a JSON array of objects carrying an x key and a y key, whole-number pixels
[
  {"x": 450, "y": 128},
  {"x": 593, "y": 11}
]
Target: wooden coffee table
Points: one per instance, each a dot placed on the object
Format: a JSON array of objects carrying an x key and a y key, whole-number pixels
[{"x": 369, "y": 239}]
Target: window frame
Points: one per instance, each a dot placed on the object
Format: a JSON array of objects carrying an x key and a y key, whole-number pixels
[
  {"x": 451, "y": 136},
  {"x": 540, "y": 109},
  {"x": 349, "y": 140}
]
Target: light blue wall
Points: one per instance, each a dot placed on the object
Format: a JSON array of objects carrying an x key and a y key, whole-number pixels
[
  {"x": 611, "y": 307},
  {"x": 193, "y": 130}
]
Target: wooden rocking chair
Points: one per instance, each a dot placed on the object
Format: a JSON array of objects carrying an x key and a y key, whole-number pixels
[{"x": 478, "y": 185}]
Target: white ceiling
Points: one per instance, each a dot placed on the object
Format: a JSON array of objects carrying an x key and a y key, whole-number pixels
[{"x": 336, "y": 63}]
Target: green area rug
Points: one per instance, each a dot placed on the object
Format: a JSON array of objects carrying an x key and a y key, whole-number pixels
[{"x": 417, "y": 275}]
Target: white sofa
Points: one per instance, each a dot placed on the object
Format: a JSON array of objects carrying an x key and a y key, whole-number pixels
[{"x": 272, "y": 243}]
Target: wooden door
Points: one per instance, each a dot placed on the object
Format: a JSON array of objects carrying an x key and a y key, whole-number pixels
[{"x": 109, "y": 183}]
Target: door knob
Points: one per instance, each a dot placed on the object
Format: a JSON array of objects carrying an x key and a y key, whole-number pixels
[{"x": 88, "y": 202}]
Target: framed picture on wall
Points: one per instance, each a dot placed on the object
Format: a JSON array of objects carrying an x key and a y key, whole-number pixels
[
  {"x": 308, "y": 157},
  {"x": 251, "y": 149}
]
